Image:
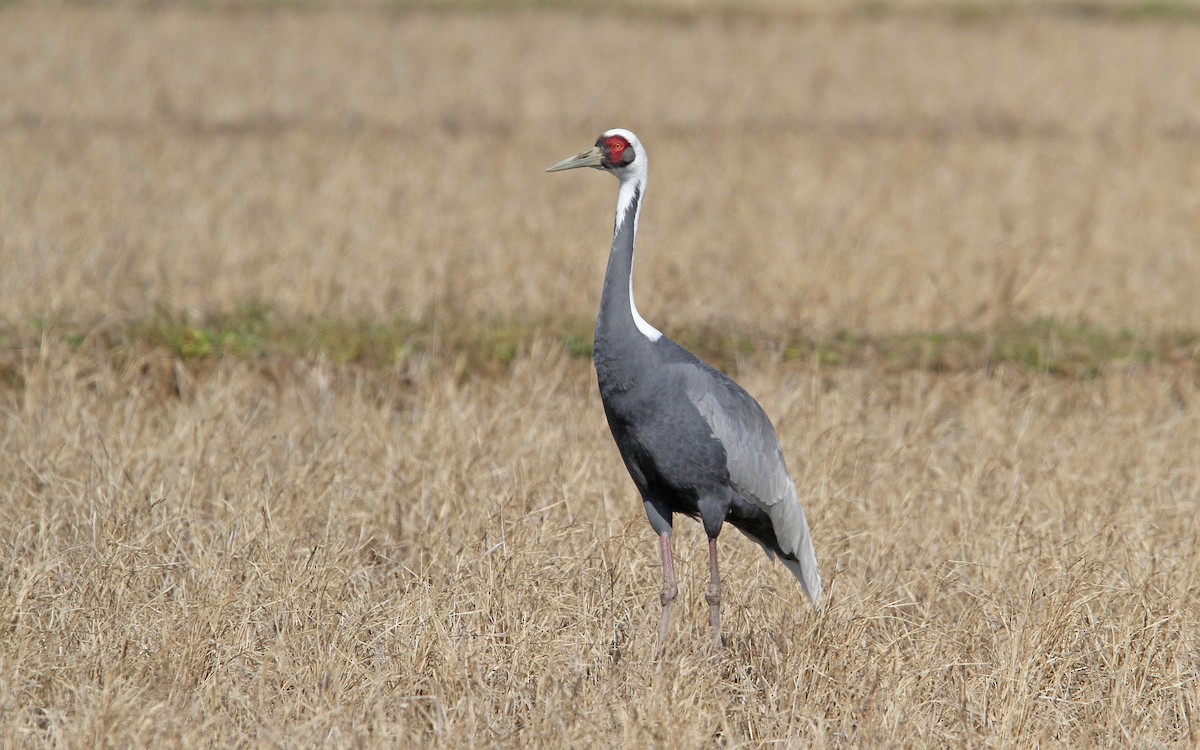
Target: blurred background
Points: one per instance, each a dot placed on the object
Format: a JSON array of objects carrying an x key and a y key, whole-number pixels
[
  {"x": 299, "y": 438},
  {"x": 875, "y": 167}
]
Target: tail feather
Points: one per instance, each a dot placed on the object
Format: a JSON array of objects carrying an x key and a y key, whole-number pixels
[
  {"x": 791, "y": 529},
  {"x": 808, "y": 576}
]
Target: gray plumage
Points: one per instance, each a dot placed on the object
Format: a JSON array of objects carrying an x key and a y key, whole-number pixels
[{"x": 693, "y": 440}]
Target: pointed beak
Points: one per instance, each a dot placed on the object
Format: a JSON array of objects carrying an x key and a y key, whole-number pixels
[{"x": 590, "y": 158}]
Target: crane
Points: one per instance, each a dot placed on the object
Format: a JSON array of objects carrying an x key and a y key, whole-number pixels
[{"x": 693, "y": 440}]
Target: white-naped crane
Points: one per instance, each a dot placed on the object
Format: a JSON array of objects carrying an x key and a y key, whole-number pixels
[{"x": 692, "y": 439}]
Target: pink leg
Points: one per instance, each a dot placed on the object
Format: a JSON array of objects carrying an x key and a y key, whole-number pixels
[
  {"x": 670, "y": 589},
  {"x": 713, "y": 594}
]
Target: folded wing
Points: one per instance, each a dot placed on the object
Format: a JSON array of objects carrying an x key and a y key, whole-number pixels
[{"x": 756, "y": 467}]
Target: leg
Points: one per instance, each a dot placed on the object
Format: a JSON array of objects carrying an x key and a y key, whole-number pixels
[
  {"x": 713, "y": 594},
  {"x": 670, "y": 589}
]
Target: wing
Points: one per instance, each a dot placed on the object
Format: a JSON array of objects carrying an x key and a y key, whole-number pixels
[{"x": 756, "y": 466}]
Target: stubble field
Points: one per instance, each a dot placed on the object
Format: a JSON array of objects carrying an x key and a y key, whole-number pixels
[{"x": 300, "y": 440}]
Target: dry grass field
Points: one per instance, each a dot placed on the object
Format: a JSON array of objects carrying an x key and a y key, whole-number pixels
[{"x": 300, "y": 445}]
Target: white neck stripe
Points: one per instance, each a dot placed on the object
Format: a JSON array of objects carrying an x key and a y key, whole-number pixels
[
  {"x": 625, "y": 196},
  {"x": 647, "y": 330},
  {"x": 631, "y": 189}
]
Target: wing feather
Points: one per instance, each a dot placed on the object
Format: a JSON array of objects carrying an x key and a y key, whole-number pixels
[{"x": 756, "y": 466}]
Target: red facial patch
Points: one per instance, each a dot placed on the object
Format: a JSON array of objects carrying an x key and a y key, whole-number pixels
[{"x": 617, "y": 151}]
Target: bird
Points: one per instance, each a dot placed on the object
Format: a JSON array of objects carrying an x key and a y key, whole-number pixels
[{"x": 693, "y": 441}]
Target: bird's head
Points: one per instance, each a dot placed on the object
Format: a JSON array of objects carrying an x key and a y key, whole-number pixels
[{"x": 617, "y": 151}]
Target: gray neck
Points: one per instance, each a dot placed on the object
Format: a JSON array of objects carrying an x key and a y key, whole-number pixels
[{"x": 623, "y": 339}]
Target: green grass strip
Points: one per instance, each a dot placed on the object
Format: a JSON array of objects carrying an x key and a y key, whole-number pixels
[{"x": 255, "y": 331}]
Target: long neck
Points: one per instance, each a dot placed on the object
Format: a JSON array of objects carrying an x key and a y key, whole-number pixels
[
  {"x": 622, "y": 351},
  {"x": 619, "y": 323}
]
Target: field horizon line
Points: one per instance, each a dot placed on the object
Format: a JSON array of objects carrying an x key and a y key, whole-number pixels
[{"x": 255, "y": 330}]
